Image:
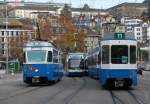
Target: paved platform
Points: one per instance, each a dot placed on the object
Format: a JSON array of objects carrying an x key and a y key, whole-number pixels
[{"x": 10, "y": 77}]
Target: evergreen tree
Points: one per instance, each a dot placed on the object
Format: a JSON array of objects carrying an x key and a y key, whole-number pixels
[
  {"x": 66, "y": 11},
  {"x": 146, "y": 14}
]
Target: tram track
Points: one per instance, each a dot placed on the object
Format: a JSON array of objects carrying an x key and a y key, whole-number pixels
[
  {"x": 67, "y": 99},
  {"x": 20, "y": 92},
  {"x": 50, "y": 98},
  {"x": 137, "y": 99},
  {"x": 117, "y": 100}
]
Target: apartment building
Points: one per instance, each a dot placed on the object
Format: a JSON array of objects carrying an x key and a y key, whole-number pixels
[{"x": 12, "y": 30}]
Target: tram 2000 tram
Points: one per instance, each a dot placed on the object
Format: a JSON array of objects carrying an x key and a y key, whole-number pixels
[
  {"x": 76, "y": 64},
  {"x": 114, "y": 61},
  {"x": 42, "y": 62}
]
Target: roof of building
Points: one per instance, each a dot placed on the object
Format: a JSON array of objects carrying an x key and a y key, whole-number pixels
[
  {"x": 129, "y": 5},
  {"x": 91, "y": 32},
  {"x": 87, "y": 10},
  {"x": 36, "y": 3},
  {"x": 11, "y": 22},
  {"x": 146, "y": 1},
  {"x": 30, "y": 7}
]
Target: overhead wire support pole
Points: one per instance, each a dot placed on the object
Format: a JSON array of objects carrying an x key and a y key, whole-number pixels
[
  {"x": 7, "y": 47},
  {"x": 149, "y": 32}
]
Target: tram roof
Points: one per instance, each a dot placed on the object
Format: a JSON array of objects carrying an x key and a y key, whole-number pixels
[
  {"x": 39, "y": 44},
  {"x": 76, "y": 53},
  {"x": 111, "y": 36}
]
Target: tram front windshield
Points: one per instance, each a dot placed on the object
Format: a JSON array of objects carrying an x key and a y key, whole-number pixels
[
  {"x": 119, "y": 54},
  {"x": 36, "y": 56},
  {"x": 74, "y": 63}
]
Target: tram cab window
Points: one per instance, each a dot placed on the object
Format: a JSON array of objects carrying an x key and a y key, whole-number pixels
[
  {"x": 119, "y": 54},
  {"x": 49, "y": 57},
  {"x": 32, "y": 56},
  {"x": 55, "y": 56},
  {"x": 105, "y": 54},
  {"x": 133, "y": 54}
]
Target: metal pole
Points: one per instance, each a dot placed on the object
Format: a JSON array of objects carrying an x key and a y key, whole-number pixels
[
  {"x": 149, "y": 52},
  {"x": 35, "y": 27},
  {"x": 7, "y": 53}
]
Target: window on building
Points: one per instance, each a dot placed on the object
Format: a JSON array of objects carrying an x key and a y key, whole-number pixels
[
  {"x": 3, "y": 52},
  {"x": 7, "y": 33},
  {"x": 2, "y": 33},
  {"x": 138, "y": 29},
  {"x": 17, "y": 33},
  {"x": 2, "y": 39},
  {"x": 138, "y": 33},
  {"x": 138, "y": 38},
  {"x": 12, "y": 33}
]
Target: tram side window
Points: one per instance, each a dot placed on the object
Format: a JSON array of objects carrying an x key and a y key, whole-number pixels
[
  {"x": 49, "y": 58},
  {"x": 55, "y": 56},
  {"x": 95, "y": 59},
  {"x": 88, "y": 60},
  {"x": 24, "y": 57},
  {"x": 60, "y": 58},
  {"x": 105, "y": 54},
  {"x": 99, "y": 57},
  {"x": 133, "y": 54}
]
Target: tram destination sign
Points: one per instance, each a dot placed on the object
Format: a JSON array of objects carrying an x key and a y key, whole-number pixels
[{"x": 119, "y": 35}]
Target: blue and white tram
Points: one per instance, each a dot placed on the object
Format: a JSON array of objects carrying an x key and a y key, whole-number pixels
[
  {"x": 114, "y": 61},
  {"x": 94, "y": 62},
  {"x": 42, "y": 62},
  {"x": 76, "y": 64}
]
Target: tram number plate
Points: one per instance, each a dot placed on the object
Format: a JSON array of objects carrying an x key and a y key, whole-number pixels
[{"x": 35, "y": 80}]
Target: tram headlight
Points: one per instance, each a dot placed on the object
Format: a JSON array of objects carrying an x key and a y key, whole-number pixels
[
  {"x": 30, "y": 68},
  {"x": 36, "y": 70}
]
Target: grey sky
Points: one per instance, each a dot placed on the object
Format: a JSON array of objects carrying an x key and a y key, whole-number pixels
[{"x": 92, "y": 3}]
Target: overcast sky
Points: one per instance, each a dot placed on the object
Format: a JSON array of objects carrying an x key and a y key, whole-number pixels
[{"x": 102, "y": 4}]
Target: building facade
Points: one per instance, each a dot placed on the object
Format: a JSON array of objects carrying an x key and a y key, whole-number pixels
[
  {"x": 12, "y": 32},
  {"x": 128, "y": 10},
  {"x": 138, "y": 33}
]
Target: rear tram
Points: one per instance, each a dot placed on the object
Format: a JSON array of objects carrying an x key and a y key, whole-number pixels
[{"x": 76, "y": 62}]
